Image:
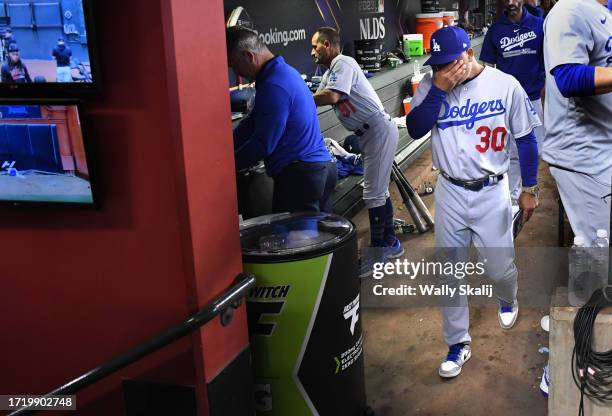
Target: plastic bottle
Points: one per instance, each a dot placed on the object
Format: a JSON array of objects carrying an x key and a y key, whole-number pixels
[
  {"x": 578, "y": 273},
  {"x": 599, "y": 266},
  {"x": 417, "y": 77}
]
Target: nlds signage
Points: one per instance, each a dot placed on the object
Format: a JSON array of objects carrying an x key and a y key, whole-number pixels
[{"x": 372, "y": 28}]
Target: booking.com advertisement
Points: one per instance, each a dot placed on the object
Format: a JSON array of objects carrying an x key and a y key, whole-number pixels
[{"x": 288, "y": 30}]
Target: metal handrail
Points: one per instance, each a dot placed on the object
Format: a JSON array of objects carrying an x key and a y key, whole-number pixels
[{"x": 230, "y": 300}]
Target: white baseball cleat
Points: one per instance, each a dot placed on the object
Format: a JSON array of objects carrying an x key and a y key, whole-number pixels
[
  {"x": 507, "y": 313},
  {"x": 458, "y": 354}
]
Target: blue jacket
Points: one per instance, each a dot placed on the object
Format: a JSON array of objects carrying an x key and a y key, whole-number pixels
[
  {"x": 518, "y": 50},
  {"x": 283, "y": 126}
]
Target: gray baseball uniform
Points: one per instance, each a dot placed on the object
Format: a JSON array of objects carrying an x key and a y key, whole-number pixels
[
  {"x": 578, "y": 140},
  {"x": 470, "y": 141},
  {"x": 361, "y": 110}
]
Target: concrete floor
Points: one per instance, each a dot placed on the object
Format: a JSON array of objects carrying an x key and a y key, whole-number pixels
[{"x": 404, "y": 347}]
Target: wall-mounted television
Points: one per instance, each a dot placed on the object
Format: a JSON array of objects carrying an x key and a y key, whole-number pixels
[
  {"x": 43, "y": 154},
  {"x": 47, "y": 48}
]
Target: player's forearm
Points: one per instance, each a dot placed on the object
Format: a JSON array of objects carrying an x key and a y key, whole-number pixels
[
  {"x": 527, "y": 147},
  {"x": 603, "y": 80},
  {"x": 422, "y": 118},
  {"x": 326, "y": 97}
]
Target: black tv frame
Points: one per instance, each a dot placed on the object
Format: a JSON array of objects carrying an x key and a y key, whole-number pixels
[
  {"x": 87, "y": 145},
  {"x": 64, "y": 89}
]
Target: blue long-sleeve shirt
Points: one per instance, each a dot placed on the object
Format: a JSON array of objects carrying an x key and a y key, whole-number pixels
[{"x": 283, "y": 126}]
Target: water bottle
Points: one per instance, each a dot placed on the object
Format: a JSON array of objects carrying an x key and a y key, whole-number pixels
[
  {"x": 599, "y": 266},
  {"x": 578, "y": 273}
]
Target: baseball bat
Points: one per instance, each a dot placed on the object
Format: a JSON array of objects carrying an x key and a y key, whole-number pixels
[
  {"x": 414, "y": 197},
  {"x": 412, "y": 210}
]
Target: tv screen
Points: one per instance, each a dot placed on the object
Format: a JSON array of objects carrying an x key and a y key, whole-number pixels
[
  {"x": 46, "y": 47},
  {"x": 43, "y": 156}
]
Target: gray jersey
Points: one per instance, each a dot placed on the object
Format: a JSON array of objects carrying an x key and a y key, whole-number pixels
[
  {"x": 477, "y": 118},
  {"x": 578, "y": 129},
  {"x": 359, "y": 100}
]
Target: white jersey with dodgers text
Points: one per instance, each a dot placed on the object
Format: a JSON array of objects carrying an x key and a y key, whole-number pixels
[
  {"x": 359, "y": 102},
  {"x": 477, "y": 118}
]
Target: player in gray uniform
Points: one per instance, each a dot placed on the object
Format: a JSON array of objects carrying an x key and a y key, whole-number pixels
[
  {"x": 360, "y": 110},
  {"x": 472, "y": 112},
  {"x": 578, "y": 110}
]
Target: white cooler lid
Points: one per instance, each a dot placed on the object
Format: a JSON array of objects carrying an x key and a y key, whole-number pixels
[{"x": 428, "y": 15}]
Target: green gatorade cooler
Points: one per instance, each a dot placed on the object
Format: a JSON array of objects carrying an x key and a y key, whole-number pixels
[
  {"x": 413, "y": 44},
  {"x": 304, "y": 316}
]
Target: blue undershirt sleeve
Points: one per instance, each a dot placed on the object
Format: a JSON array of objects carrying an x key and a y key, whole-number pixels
[
  {"x": 528, "y": 158},
  {"x": 575, "y": 80},
  {"x": 422, "y": 118}
]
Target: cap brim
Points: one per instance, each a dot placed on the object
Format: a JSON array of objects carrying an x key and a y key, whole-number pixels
[{"x": 442, "y": 59}]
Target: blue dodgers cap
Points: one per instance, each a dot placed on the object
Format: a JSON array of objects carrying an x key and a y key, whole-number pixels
[{"x": 447, "y": 44}]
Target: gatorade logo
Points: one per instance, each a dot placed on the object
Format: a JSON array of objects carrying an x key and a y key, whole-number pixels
[
  {"x": 269, "y": 292},
  {"x": 262, "y": 304},
  {"x": 263, "y": 397},
  {"x": 351, "y": 311},
  {"x": 436, "y": 46}
]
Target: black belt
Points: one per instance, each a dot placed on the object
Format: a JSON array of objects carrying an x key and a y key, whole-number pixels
[{"x": 474, "y": 184}]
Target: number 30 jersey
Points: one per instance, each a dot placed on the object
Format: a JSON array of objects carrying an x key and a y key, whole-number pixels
[
  {"x": 476, "y": 121},
  {"x": 359, "y": 102}
]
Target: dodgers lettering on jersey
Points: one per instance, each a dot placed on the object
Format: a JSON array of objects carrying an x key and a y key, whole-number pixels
[
  {"x": 477, "y": 118},
  {"x": 359, "y": 102},
  {"x": 517, "y": 49},
  {"x": 578, "y": 129},
  {"x": 469, "y": 113}
]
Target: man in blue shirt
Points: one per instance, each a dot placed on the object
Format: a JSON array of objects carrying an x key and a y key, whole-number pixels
[
  {"x": 282, "y": 128},
  {"x": 62, "y": 55},
  {"x": 515, "y": 45}
]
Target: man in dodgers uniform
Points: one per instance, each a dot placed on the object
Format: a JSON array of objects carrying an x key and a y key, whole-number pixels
[
  {"x": 578, "y": 110},
  {"x": 360, "y": 110},
  {"x": 514, "y": 45},
  {"x": 472, "y": 112}
]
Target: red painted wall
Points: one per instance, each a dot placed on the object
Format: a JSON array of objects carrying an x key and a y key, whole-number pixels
[{"x": 78, "y": 286}]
